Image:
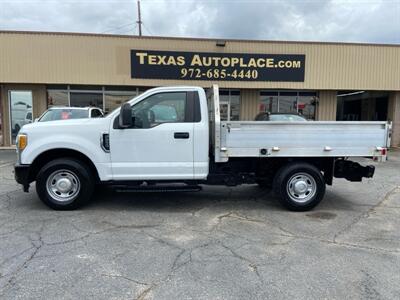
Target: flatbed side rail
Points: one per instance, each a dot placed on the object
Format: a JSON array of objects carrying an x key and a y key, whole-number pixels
[{"x": 304, "y": 139}]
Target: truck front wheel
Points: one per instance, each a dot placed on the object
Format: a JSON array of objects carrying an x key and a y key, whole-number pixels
[
  {"x": 300, "y": 186},
  {"x": 64, "y": 184}
]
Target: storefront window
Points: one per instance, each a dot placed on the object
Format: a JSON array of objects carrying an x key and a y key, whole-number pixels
[
  {"x": 234, "y": 105},
  {"x": 86, "y": 99},
  {"x": 229, "y": 105},
  {"x": 302, "y": 103},
  {"x": 268, "y": 102},
  {"x": 114, "y": 100},
  {"x": 224, "y": 105},
  {"x": 141, "y": 90},
  {"x": 58, "y": 98},
  {"x": 20, "y": 111},
  {"x": 87, "y": 95},
  {"x": 306, "y": 104},
  {"x": 288, "y": 102},
  {"x": 362, "y": 106},
  {"x": 223, "y": 111}
]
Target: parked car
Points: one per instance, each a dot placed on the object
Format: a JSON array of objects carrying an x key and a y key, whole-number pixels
[
  {"x": 282, "y": 117},
  {"x": 66, "y": 113}
]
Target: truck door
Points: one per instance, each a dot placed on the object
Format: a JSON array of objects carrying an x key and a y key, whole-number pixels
[{"x": 159, "y": 145}]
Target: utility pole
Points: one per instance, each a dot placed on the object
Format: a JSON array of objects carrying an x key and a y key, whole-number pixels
[{"x": 139, "y": 21}]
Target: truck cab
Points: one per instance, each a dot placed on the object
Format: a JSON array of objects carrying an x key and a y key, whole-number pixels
[{"x": 167, "y": 134}]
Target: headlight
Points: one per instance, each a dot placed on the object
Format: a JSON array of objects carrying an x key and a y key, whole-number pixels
[{"x": 22, "y": 141}]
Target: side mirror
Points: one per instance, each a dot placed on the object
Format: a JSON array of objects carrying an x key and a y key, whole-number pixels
[
  {"x": 125, "y": 116},
  {"x": 36, "y": 120}
]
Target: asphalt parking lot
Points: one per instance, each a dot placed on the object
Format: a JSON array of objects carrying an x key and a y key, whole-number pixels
[{"x": 221, "y": 243}]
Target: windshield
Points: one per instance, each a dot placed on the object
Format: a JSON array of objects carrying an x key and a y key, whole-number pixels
[
  {"x": 64, "y": 114},
  {"x": 286, "y": 118}
]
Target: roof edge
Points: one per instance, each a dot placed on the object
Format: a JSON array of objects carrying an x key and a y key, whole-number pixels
[{"x": 190, "y": 38}]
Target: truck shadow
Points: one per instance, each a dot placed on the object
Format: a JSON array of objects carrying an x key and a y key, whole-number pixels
[{"x": 244, "y": 197}]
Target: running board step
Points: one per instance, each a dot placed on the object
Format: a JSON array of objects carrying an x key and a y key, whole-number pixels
[{"x": 157, "y": 189}]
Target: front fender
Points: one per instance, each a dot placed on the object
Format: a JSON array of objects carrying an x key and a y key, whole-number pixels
[
  {"x": 90, "y": 147},
  {"x": 85, "y": 146}
]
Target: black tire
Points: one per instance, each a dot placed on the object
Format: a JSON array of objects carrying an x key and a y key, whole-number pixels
[
  {"x": 82, "y": 179},
  {"x": 304, "y": 173}
]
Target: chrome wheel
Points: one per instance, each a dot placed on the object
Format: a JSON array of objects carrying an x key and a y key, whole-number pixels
[
  {"x": 301, "y": 187},
  {"x": 63, "y": 185}
]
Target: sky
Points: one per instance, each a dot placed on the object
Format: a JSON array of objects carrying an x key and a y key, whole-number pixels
[{"x": 370, "y": 21}]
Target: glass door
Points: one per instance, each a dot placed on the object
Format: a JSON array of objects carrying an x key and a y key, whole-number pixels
[{"x": 20, "y": 111}]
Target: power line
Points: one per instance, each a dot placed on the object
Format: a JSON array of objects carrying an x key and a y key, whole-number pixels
[
  {"x": 116, "y": 28},
  {"x": 138, "y": 23},
  {"x": 134, "y": 29},
  {"x": 127, "y": 31},
  {"x": 148, "y": 30}
]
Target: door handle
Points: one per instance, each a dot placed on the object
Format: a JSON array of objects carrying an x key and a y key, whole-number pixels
[{"x": 181, "y": 135}]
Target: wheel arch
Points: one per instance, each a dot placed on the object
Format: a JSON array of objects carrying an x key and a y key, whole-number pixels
[
  {"x": 273, "y": 165},
  {"x": 52, "y": 154},
  {"x": 323, "y": 164}
]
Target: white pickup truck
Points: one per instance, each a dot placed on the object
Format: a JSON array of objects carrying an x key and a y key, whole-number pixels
[{"x": 172, "y": 139}]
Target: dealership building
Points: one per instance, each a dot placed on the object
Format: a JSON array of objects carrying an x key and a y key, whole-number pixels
[{"x": 321, "y": 81}]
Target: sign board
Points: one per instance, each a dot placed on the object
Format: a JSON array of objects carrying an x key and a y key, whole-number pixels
[{"x": 217, "y": 66}]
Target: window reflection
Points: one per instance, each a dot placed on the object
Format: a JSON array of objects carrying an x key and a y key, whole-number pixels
[
  {"x": 160, "y": 108},
  {"x": 289, "y": 102},
  {"x": 57, "y": 98},
  {"x": 223, "y": 111},
  {"x": 20, "y": 111},
  {"x": 114, "y": 100},
  {"x": 306, "y": 104},
  {"x": 268, "y": 102},
  {"x": 229, "y": 105},
  {"x": 224, "y": 105},
  {"x": 89, "y": 95},
  {"x": 87, "y": 99},
  {"x": 234, "y": 105}
]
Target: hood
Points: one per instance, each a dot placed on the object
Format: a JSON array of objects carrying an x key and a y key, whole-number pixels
[{"x": 67, "y": 125}]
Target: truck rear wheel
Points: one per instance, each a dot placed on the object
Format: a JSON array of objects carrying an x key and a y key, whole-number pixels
[
  {"x": 65, "y": 184},
  {"x": 300, "y": 186}
]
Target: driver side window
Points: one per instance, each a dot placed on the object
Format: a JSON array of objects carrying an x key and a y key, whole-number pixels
[{"x": 160, "y": 108}]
